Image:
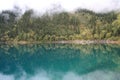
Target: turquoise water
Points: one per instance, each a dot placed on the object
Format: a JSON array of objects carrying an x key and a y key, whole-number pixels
[{"x": 60, "y": 62}]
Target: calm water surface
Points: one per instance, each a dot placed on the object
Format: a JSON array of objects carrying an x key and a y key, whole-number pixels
[{"x": 60, "y": 62}]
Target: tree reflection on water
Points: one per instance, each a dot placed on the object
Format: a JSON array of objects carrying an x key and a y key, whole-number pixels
[{"x": 60, "y": 62}]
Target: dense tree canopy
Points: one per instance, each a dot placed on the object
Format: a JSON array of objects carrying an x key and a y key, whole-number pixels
[{"x": 81, "y": 25}]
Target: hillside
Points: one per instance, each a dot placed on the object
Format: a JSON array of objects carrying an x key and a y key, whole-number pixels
[{"x": 79, "y": 25}]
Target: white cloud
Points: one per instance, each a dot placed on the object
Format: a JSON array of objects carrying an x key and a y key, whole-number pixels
[
  {"x": 43, "y": 75},
  {"x": 6, "y": 77},
  {"x": 69, "y": 5},
  {"x": 96, "y": 75}
]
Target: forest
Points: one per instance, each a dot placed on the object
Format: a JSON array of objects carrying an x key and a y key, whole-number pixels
[{"x": 82, "y": 24}]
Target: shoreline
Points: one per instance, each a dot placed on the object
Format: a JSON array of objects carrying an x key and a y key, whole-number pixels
[
  {"x": 89, "y": 42},
  {"x": 65, "y": 42}
]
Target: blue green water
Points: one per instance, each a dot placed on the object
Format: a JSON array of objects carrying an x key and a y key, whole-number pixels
[{"x": 60, "y": 62}]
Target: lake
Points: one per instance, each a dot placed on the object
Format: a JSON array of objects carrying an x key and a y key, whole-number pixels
[{"x": 60, "y": 62}]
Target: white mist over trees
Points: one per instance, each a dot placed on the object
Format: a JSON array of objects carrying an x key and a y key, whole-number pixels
[{"x": 71, "y": 5}]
